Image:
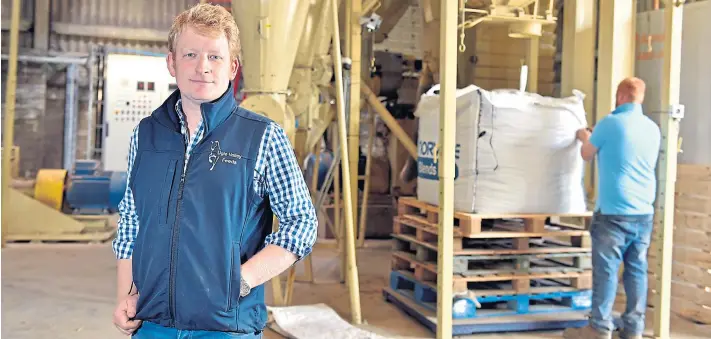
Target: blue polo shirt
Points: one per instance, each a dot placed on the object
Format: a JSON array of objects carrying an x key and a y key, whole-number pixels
[{"x": 628, "y": 144}]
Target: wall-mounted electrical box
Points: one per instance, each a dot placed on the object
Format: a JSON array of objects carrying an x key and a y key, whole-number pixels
[{"x": 135, "y": 86}]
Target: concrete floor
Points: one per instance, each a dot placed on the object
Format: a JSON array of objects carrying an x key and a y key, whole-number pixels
[{"x": 67, "y": 291}]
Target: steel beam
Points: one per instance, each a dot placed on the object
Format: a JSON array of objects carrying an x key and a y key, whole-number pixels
[
  {"x": 351, "y": 267},
  {"x": 579, "y": 25},
  {"x": 616, "y": 52},
  {"x": 70, "y": 118},
  {"x": 9, "y": 128},
  {"x": 447, "y": 123},
  {"x": 532, "y": 53},
  {"x": 353, "y": 12},
  {"x": 673, "y": 21},
  {"x": 615, "y": 58}
]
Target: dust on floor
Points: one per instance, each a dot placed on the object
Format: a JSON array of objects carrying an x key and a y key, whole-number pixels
[{"x": 67, "y": 291}]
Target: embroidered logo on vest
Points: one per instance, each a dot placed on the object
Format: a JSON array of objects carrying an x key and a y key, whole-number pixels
[{"x": 217, "y": 155}]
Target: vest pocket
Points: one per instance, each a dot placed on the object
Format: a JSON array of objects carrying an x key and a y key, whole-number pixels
[
  {"x": 235, "y": 277},
  {"x": 166, "y": 191}
]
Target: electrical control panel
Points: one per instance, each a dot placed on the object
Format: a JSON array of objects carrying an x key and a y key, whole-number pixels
[{"x": 135, "y": 86}]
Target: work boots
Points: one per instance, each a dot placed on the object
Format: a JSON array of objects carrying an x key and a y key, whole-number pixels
[{"x": 586, "y": 332}]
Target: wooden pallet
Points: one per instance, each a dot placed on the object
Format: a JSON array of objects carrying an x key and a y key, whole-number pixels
[
  {"x": 472, "y": 224},
  {"x": 426, "y": 233},
  {"x": 490, "y": 260},
  {"x": 517, "y": 281}
]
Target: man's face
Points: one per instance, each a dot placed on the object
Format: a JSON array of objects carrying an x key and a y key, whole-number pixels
[{"x": 201, "y": 65}]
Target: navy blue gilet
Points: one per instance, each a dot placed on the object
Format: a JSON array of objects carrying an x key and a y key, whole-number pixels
[{"x": 197, "y": 228}]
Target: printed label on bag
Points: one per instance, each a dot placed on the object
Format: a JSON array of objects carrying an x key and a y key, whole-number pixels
[{"x": 427, "y": 160}]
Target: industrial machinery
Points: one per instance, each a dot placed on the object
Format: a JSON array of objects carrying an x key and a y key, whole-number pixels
[
  {"x": 90, "y": 190},
  {"x": 86, "y": 190},
  {"x": 61, "y": 205}
]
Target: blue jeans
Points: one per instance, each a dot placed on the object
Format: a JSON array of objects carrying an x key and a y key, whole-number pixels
[
  {"x": 149, "y": 330},
  {"x": 617, "y": 239}
]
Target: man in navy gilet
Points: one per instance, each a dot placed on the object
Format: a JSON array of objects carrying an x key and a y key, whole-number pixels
[{"x": 195, "y": 242}]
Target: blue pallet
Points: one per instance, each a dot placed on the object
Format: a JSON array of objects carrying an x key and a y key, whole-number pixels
[
  {"x": 515, "y": 323},
  {"x": 426, "y": 296}
]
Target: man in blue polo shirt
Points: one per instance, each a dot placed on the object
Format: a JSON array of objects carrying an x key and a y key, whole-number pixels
[{"x": 627, "y": 145}]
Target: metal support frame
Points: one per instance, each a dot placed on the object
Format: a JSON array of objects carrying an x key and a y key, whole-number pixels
[
  {"x": 353, "y": 47},
  {"x": 532, "y": 63},
  {"x": 70, "y": 118},
  {"x": 9, "y": 128},
  {"x": 448, "y": 109},
  {"x": 673, "y": 23},
  {"x": 389, "y": 120},
  {"x": 615, "y": 58},
  {"x": 90, "y": 128},
  {"x": 48, "y": 59},
  {"x": 616, "y": 45},
  {"x": 362, "y": 222},
  {"x": 579, "y": 32},
  {"x": 514, "y": 11},
  {"x": 351, "y": 267}
]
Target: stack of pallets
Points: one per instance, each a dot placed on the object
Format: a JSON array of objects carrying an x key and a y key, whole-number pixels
[{"x": 511, "y": 272}]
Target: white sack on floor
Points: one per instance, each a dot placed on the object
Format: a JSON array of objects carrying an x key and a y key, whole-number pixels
[
  {"x": 317, "y": 322},
  {"x": 516, "y": 152}
]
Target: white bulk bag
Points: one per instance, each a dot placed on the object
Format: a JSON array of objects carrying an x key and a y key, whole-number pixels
[{"x": 516, "y": 152}]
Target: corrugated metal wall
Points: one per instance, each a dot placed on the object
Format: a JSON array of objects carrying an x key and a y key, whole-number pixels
[
  {"x": 75, "y": 25},
  {"x": 26, "y": 17},
  {"x": 154, "y": 15}
]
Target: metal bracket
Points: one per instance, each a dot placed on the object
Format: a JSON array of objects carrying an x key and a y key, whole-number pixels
[
  {"x": 372, "y": 22},
  {"x": 676, "y": 111}
]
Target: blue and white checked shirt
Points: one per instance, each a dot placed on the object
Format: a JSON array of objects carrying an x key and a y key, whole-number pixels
[{"x": 276, "y": 173}]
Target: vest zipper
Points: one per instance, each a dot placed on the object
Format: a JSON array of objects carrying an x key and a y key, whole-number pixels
[{"x": 173, "y": 248}]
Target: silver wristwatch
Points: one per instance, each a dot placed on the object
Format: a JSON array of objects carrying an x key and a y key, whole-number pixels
[{"x": 244, "y": 287}]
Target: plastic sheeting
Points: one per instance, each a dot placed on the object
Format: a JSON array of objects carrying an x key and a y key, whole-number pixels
[
  {"x": 516, "y": 152},
  {"x": 317, "y": 322}
]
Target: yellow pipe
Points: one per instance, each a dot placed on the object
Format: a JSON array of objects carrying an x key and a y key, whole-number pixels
[
  {"x": 389, "y": 120},
  {"x": 9, "y": 130},
  {"x": 351, "y": 268},
  {"x": 354, "y": 12},
  {"x": 447, "y": 122}
]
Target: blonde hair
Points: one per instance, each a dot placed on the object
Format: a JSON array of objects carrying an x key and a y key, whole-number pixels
[{"x": 209, "y": 20}]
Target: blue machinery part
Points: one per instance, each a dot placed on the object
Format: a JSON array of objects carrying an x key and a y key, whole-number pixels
[
  {"x": 92, "y": 191},
  {"x": 325, "y": 159}
]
